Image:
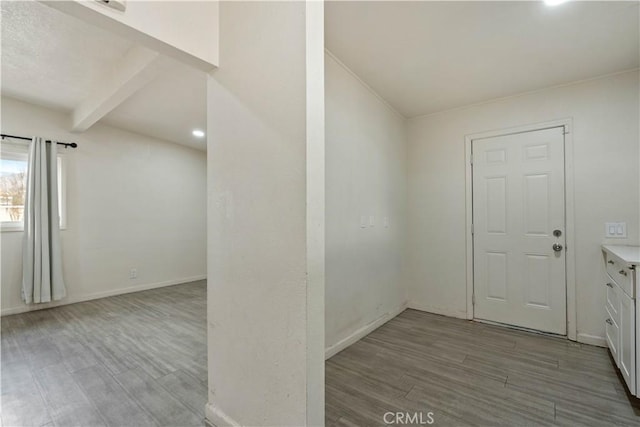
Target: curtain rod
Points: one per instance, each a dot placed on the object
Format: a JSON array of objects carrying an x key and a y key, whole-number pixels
[{"x": 65, "y": 144}]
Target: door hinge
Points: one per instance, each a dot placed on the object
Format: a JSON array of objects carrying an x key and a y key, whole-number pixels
[
  {"x": 565, "y": 131},
  {"x": 471, "y": 159},
  {"x": 473, "y": 299},
  {"x": 472, "y": 229}
]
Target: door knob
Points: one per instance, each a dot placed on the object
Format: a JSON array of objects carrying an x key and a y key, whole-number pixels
[
  {"x": 609, "y": 321},
  {"x": 557, "y": 247}
]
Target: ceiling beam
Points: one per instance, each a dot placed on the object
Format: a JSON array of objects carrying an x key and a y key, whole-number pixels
[
  {"x": 157, "y": 25},
  {"x": 137, "y": 68}
]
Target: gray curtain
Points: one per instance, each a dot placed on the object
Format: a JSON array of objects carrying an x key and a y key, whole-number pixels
[{"x": 41, "y": 258}]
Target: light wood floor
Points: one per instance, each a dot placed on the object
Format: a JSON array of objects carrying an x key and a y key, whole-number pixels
[
  {"x": 469, "y": 373},
  {"x": 140, "y": 360}
]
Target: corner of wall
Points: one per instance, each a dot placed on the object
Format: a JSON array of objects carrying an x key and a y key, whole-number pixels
[
  {"x": 216, "y": 418},
  {"x": 592, "y": 340},
  {"x": 443, "y": 311},
  {"x": 358, "y": 334}
]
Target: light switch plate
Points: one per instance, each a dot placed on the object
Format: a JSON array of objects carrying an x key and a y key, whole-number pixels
[
  {"x": 363, "y": 221},
  {"x": 372, "y": 221},
  {"x": 615, "y": 230}
]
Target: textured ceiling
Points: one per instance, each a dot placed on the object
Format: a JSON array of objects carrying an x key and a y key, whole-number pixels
[
  {"x": 51, "y": 59},
  {"x": 421, "y": 57},
  {"x": 429, "y": 56},
  {"x": 57, "y": 61}
]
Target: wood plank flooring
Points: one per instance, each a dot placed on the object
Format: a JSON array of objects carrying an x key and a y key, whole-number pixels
[
  {"x": 131, "y": 360},
  {"x": 140, "y": 360},
  {"x": 473, "y": 374}
]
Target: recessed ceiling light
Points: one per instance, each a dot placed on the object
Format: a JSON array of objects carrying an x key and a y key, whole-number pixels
[
  {"x": 198, "y": 133},
  {"x": 554, "y": 2}
]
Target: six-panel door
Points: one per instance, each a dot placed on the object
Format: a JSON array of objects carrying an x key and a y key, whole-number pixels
[{"x": 518, "y": 203}]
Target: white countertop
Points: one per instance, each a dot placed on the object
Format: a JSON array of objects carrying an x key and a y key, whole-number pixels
[{"x": 629, "y": 255}]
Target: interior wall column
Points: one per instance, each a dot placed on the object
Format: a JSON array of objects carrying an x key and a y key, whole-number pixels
[{"x": 266, "y": 216}]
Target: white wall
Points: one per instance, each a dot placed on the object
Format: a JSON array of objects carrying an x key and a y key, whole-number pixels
[
  {"x": 606, "y": 152},
  {"x": 184, "y": 29},
  {"x": 132, "y": 202},
  {"x": 366, "y": 176},
  {"x": 266, "y": 359}
]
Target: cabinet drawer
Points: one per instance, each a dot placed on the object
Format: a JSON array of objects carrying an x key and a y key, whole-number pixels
[
  {"x": 613, "y": 301},
  {"x": 622, "y": 275},
  {"x": 612, "y": 334}
]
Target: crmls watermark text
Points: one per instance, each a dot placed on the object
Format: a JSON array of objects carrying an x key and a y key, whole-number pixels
[{"x": 413, "y": 418}]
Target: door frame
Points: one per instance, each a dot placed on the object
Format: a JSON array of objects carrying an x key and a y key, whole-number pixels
[{"x": 570, "y": 278}]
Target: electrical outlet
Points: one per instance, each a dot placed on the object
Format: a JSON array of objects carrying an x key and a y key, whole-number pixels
[
  {"x": 133, "y": 273},
  {"x": 615, "y": 230}
]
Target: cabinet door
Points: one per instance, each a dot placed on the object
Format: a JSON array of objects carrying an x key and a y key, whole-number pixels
[
  {"x": 612, "y": 332},
  {"x": 613, "y": 301},
  {"x": 627, "y": 347}
]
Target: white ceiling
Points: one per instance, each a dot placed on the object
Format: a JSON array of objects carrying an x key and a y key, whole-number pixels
[
  {"x": 169, "y": 107},
  {"x": 57, "y": 61},
  {"x": 424, "y": 57},
  {"x": 51, "y": 59},
  {"x": 421, "y": 57}
]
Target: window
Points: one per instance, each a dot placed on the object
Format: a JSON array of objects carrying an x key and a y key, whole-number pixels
[{"x": 13, "y": 185}]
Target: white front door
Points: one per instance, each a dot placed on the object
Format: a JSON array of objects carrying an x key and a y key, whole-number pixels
[{"x": 518, "y": 204}]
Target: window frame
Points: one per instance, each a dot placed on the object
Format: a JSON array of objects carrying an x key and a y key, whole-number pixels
[{"x": 14, "y": 151}]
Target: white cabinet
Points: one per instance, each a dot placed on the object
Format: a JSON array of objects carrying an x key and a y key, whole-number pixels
[
  {"x": 627, "y": 348},
  {"x": 611, "y": 328},
  {"x": 622, "y": 328}
]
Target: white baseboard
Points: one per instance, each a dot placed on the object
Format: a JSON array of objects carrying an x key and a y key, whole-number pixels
[
  {"x": 97, "y": 295},
  {"x": 217, "y": 418},
  {"x": 437, "y": 310},
  {"x": 592, "y": 340},
  {"x": 362, "y": 332},
  {"x": 582, "y": 338}
]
